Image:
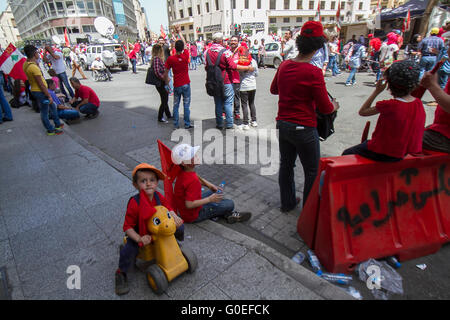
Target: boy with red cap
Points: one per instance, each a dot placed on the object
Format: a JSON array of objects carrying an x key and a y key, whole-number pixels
[{"x": 140, "y": 209}]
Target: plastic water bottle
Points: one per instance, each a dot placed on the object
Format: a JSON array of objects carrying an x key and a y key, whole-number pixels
[
  {"x": 354, "y": 293},
  {"x": 298, "y": 258},
  {"x": 335, "y": 277},
  {"x": 314, "y": 261},
  {"x": 46, "y": 101},
  {"x": 221, "y": 186},
  {"x": 393, "y": 262}
]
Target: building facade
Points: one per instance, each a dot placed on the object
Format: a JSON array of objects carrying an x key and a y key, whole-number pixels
[
  {"x": 8, "y": 29},
  {"x": 202, "y": 18},
  {"x": 387, "y": 4},
  {"x": 43, "y": 19},
  {"x": 141, "y": 20}
]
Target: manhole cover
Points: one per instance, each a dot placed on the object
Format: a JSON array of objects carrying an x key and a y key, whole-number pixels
[{"x": 4, "y": 292}]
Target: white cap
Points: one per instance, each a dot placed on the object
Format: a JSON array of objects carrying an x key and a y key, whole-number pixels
[
  {"x": 183, "y": 153},
  {"x": 218, "y": 36}
]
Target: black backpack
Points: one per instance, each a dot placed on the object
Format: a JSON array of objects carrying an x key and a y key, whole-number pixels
[
  {"x": 325, "y": 124},
  {"x": 214, "y": 78}
]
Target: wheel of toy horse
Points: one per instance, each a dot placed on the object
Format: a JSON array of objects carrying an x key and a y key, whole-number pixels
[
  {"x": 191, "y": 259},
  {"x": 157, "y": 279}
]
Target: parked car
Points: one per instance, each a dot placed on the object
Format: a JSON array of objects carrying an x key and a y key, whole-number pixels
[
  {"x": 113, "y": 55},
  {"x": 273, "y": 54}
]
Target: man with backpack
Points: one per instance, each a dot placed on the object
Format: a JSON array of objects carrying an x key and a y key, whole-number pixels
[{"x": 219, "y": 65}]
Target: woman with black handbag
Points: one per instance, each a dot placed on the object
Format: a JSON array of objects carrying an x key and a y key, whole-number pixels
[
  {"x": 156, "y": 77},
  {"x": 301, "y": 89}
]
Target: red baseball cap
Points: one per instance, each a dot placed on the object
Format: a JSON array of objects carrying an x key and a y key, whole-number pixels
[
  {"x": 370, "y": 35},
  {"x": 312, "y": 29}
]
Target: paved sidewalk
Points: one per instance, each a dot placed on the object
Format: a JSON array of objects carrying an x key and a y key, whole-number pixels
[{"x": 62, "y": 203}]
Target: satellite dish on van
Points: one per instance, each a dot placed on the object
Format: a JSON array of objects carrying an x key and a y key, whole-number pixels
[
  {"x": 56, "y": 40},
  {"x": 104, "y": 26}
]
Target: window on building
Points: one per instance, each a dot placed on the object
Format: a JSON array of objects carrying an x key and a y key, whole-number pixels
[
  {"x": 323, "y": 19},
  {"x": 97, "y": 6},
  {"x": 87, "y": 29},
  {"x": 181, "y": 14},
  {"x": 207, "y": 7},
  {"x": 310, "y": 18},
  {"x": 90, "y": 6},
  {"x": 81, "y": 8},
  {"x": 217, "y": 4},
  {"x": 286, "y": 4},
  {"x": 60, "y": 30},
  {"x": 331, "y": 19},
  {"x": 246, "y": 5},
  {"x": 273, "y": 4},
  {"x": 298, "y": 19},
  {"x": 190, "y": 12},
  {"x": 52, "y": 8},
  {"x": 191, "y": 27},
  {"x": 59, "y": 7},
  {"x": 299, "y": 4},
  {"x": 333, "y": 5},
  {"x": 258, "y": 4},
  {"x": 322, "y": 5},
  {"x": 311, "y": 5},
  {"x": 286, "y": 20},
  {"x": 182, "y": 28},
  {"x": 272, "y": 20},
  {"x": 342, "y": 5},
  {"x": 198, "y": 9},
  {"x": 360, "y": 6},
  {"x": 70, "y": 7},
  {"x": 233, "y": 4}
]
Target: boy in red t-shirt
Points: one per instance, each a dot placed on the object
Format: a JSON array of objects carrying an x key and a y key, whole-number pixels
[
  {"x": 192, "y": 204},
  {"x": 140, "y": 208},
  {"x": 401, "y": 123}
]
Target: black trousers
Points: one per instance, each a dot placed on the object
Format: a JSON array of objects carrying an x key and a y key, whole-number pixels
[
  {"x": 237, "y": 98},
  {"x": 164, "y": 107},
  {"x": 248, "y": 100}
]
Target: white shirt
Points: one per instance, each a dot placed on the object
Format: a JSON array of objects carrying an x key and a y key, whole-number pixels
[
  {"x": 57, "y": 64},
  {"x": 290, "y": 50},
  {"x": 74, "y": 57},
  {"x": 98, "y": 65}
]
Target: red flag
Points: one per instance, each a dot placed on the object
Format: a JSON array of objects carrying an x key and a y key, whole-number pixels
[
  {"x": 170, "y": 169},
  {"x": 163, "y": 34},
  {"x": 338, "y": 17},
  {"x": 317, "y": 16},
  {"x": 11, "y": 63},
  {"x": 66, "y": 38},
  {"x": 408, "y": 21}
]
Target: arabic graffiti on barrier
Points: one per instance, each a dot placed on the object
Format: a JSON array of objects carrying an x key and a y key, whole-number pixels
[{"x": 418, "y": 201}]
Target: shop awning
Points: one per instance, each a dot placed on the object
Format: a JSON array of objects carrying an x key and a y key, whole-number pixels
[{"x": 416, "y": 7}]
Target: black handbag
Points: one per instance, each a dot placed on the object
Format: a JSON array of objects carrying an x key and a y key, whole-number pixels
[
  {"x": 325, "y": 124},
  {"x": 152, "y": 78}
]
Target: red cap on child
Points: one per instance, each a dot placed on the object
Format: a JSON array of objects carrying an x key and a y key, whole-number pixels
[{"x": 312, "y": 29}]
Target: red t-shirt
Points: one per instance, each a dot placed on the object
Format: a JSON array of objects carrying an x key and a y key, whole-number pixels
[
  {"x": 87, "y": 93},
  {"x": 180, "y": 67},
  {"x": 399, "y": 129},
  {"x": 301, "y": 88},
  {"x": 187, "y": 188},
  {"x": 441, "y": 122},
  {"x": 235, "y": 77},
  {"x": 132, "y": 215},
  {"x": 226, "y": 64}
]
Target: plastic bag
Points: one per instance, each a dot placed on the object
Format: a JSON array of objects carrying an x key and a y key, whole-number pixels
[{"x": 390, "y": 280}]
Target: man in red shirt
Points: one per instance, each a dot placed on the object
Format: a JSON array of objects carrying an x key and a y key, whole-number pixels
[
  {"x": 89, "y": 102},
  {"x": 374, "y": 52},
  {"x": 179, "y": 63}
]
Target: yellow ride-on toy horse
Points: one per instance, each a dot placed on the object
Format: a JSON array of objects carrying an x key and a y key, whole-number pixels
[{"x": 163, "y": 259}]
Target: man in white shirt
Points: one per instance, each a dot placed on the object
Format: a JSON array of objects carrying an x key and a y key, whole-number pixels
[
  {"x": 56, "y": 58},
  {"x": 98, "y": 65},
  {"x": 289, "y": 49}
]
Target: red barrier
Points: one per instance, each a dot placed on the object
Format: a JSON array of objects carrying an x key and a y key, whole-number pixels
[{"x": 370, "y": 209}]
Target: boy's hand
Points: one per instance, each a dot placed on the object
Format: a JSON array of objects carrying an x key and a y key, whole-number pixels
[
  {"x": 429, "y": 80},
  {"x": 335, "y": 104},
  {"x": 214, "y": 188},
  {"x": 216, "y": 197},
  {"x": 147, "y": 239},
  {"x": 381, "y": 85}
]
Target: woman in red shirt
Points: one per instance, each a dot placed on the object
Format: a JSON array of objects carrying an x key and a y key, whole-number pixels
[
  {"x": 301, "y": 88},
  {"x": 132, "y": 57},
  {"x": 400, "y": 126}
]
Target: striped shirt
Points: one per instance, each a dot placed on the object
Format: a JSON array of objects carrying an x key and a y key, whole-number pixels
[
  {"x": 430, "y": 42},
  {"x": 159, "y": 68}
]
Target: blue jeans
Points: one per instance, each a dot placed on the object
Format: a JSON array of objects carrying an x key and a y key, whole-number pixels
[
  {"x": 63, "y": 81},
  {"x": 211, "y": 210},
  {"x": 184, "y": 91},
  {"x": 303, "y": 143},
  {"x": 5, "y": 109},
  {"x": 225, "y": 103},
  {"x": 88, "y": 108},
  {"x": 67, "y": 114},
  {"x": 426, "y": 64},
  {"x": 352, "y": 76},
  {"x": 333, "y": 65},
  {"x": 363, "y": 150},
  {"x": 45, "y": 107},
  {"x": 133, "y": 64},
  {"x": 193, "y": 63}
]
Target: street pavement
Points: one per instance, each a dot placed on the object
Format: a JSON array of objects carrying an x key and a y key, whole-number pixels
[{"x": 91, "y": 164}]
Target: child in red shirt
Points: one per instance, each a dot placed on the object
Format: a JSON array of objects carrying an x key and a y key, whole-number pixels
[
  {"x": 401, "y": 123},
  {"x": 192, "y": 204},
  {"x": 140, "y": 208}
]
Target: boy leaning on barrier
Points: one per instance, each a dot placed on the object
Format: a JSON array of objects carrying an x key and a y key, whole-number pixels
[{"x": 140, "y": 209}]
